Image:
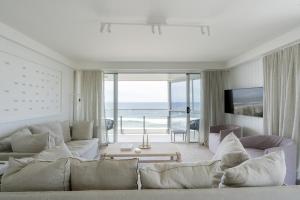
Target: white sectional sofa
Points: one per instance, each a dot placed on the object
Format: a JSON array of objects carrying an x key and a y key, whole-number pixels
[
  {"x": 87, "y": 148},
  {"x": 251, "y": 193}
]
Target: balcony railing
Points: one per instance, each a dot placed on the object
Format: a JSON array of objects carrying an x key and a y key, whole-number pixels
[{"x": 151, "y": 121}]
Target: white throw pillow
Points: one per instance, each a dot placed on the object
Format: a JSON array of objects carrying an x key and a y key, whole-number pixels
[
  {"x": 66, "y": 130},
  {"x": 33, "y": 175},
  {"x": 104, "y": 174},
  {"x": 268, "y": 170},
  {"x": 54, "y": 128},
  {"x": 24, "y": 142},
  {"x": 231, "y": 152},
  {"x": 204, "y": 174},
  {"x": 82, "y": 130},
  {"x": 55, "y": 153}
]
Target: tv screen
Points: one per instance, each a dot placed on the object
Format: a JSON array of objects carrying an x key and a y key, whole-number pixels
[{"x": 247, "y": 101}]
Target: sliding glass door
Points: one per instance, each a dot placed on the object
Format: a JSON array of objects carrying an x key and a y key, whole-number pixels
[
  {"x": 178, "y": 109},
  {"x": 185, "y": 108},
  {"x": 111, "y": 107},
  {"x": 166, "y": 106},
  {"x": 194, "y": 99}
]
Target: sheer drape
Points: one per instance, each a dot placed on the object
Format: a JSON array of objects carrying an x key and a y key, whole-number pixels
[
  {"x": 89, "y": 100},
  {"x": 282, "y": 93},
  {"x": 212, "y": 101}
]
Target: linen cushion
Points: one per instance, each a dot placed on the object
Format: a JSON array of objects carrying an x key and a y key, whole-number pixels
[
  {"x": 254, "y": 153},
  {"x": 231, "y": 152},
  {"x": 104, "y": 174},
  {"x": 81, "y": 147},
  {"x": 66, "y": 130},
  {"x": 54, "y": 128},
  {"x": 82, "y": 130},
  {"x": 34, "y": 175},
  {"x": 268, "y": 170},
  {"x": 54, "y": 153},
  {"x": 24, "y": 142},
  {"x": 204, "y": 174}
]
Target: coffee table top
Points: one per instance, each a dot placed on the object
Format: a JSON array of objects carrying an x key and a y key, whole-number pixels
[{"x": 157, "y": 149}]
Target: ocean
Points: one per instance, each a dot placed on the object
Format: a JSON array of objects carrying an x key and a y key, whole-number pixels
[{"x": 156, "y": 114}]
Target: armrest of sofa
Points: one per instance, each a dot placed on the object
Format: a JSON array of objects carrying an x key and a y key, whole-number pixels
[
  {"x": 216, "y": 129},
  {"x": 237, "y": 131},
  {"x": 290, "y": 153},
  {"x": 4, "y": 156}
]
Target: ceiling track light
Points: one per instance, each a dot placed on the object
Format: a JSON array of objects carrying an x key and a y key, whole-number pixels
[{"x": 155, "y": 28}]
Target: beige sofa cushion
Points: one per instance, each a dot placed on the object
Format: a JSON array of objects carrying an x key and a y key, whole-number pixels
[
  {"x": 24, "y": 142},
  {"x": 54, "y": 128},
  {"x": 268, "y": 170},
  {"x": 82, "y": 130},
  {"x": 66, "y": 130},
  {"x": 33, "y": 175},
  {"x": 57, "y": 152},
  {"x": 204, "y": 174},
  {"x": 231, "y": 152},
  {"x": 104, "y": 174}
]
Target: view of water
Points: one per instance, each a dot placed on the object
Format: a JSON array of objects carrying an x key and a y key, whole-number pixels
[{"x": 156, "y": 114}]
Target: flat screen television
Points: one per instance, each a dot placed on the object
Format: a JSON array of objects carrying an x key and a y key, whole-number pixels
[{"x": 244, "y": 101}]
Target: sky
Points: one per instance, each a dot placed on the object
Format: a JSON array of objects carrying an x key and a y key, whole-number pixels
[
  {"x": 138, "y": 91},
  {"x": 147, "y": 91}
]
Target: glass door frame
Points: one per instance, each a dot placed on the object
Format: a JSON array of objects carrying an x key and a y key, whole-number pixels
[
  {"x": 187, "y": 109},
  {"x": 116, "y": 108}
]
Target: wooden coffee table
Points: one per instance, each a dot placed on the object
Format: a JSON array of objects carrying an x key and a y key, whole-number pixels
[{"x": 159, "y": 152}]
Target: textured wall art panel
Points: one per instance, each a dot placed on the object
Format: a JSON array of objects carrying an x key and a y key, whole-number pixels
[{"x": 27, "y": 89}]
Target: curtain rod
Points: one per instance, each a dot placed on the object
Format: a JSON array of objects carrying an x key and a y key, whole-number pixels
[
  {"x": 268, "y": 52},
  {"x": 296, "y": 42}
]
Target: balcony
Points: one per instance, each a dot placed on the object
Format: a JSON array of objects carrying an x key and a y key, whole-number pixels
[{"x": 158, "y": 123}]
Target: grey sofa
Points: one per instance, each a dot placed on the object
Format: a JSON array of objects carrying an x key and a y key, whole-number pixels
[
  {"x": 262, "y": 144},
  {"x": 217, "y": 133}
]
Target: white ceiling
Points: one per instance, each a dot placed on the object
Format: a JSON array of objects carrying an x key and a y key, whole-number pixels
[{"x": 71, "y": 27}]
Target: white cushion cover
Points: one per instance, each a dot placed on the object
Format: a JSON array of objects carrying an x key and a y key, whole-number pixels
[
  {"x": 82, "y": 130},
  {"x": 268, "y": 170},
  {"x": 54, "y": 153},
  {"x": 34, "y": 175},
  {"x": 24, "y": 142},
  {"x": 104, "y": 174},
  {"x": 66, "y": 130},
  {"x": 231, "y": 152},
  {"x": 254, "y": 153},
  {"x": 81, "y": 147},
  {"x": 54, "y": 128},
  {"x": 203, "y": 174}
]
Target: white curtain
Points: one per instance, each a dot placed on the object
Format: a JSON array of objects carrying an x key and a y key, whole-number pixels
[
  {"x": 212, "y": 101},
  {"x": 282, "y": 93},
  {"x": 89, "y": 101}
]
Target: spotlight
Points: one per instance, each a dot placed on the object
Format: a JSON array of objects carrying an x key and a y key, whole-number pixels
[
  {"x": 102, "y": 27},
  {"x": 159, "y": 29},
  {"x": 152, "y": 29},
  {"x": 108, "y": 28}
]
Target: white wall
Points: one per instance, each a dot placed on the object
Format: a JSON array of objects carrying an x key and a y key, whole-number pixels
[
  {"x": 246, "y": 75},
  {"x": 13, "y": 46}
]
